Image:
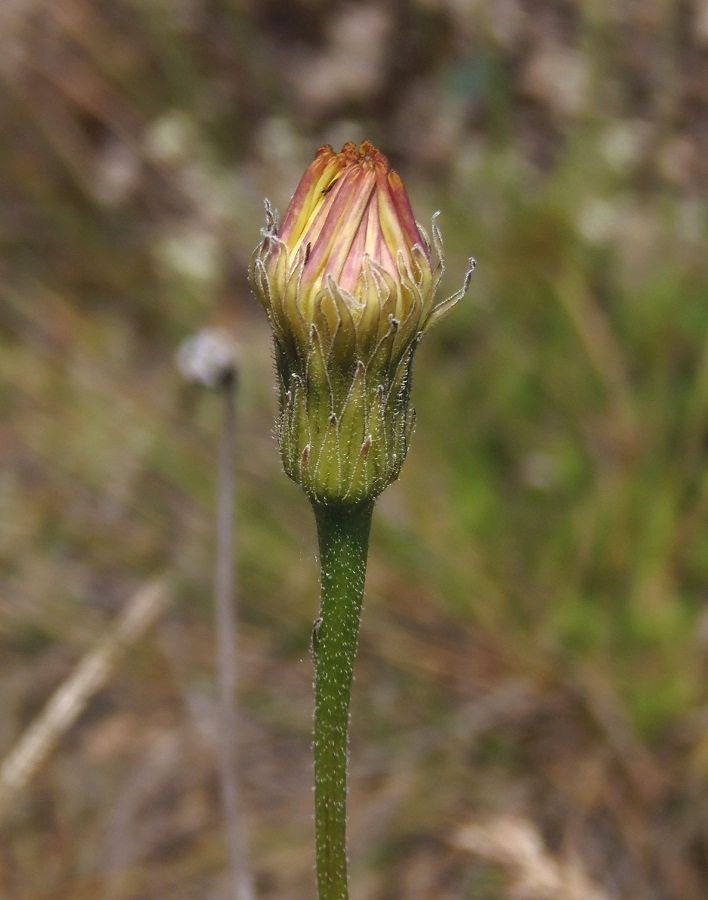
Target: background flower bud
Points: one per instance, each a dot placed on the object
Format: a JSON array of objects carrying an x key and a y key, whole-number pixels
[{"x": 348, "y": 286}]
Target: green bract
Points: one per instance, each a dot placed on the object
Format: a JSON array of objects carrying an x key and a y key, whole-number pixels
[{"x": 348, "y": 286}]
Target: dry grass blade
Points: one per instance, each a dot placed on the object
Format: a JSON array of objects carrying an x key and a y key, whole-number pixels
[
  {"x": 71, "y": 697},
  {"x": 515, "y": 844}
]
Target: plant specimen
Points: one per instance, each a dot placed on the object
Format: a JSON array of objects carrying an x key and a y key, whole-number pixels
[{"x": 348, "y": 281}]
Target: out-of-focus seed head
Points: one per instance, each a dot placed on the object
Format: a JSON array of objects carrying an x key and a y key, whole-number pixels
[
  {"x": 208, "y": 358},
  {"x": 348, "y": 285}
]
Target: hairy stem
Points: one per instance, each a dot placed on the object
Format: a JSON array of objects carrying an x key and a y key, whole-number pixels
[{"x": 343, "y": 533}]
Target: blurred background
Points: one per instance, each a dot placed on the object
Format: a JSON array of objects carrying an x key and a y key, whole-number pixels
[{"x": 530, "y": 717}]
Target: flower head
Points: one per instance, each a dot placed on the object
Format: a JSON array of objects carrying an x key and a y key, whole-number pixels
[
  {"x": 348, "y": 284},
  {"x": 351, "y": 206}
]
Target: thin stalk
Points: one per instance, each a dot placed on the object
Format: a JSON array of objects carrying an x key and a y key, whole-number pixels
[
  {"x": 241, "y": 886},
  {"x": 343, "y": 534}
]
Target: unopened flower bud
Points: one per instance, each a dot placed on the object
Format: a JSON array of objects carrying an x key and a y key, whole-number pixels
[{"x": 349, "y": 285}]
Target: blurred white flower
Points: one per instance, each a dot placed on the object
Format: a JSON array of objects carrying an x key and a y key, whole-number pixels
[
  {"x": 622, "y": 144},
  {"x": 208, "y": 358},
  {"x": 597, "y": 220},
  {"x": 190, "y": 253},
  {"x": 352, "y": 65},
  {"x": 557, "y": 76}
]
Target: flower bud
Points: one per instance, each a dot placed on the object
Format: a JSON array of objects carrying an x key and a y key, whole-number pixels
[{"x": 348, "y": 284}]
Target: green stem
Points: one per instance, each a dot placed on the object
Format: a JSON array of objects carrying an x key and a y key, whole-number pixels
[{"x": 343, "y": 533}]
